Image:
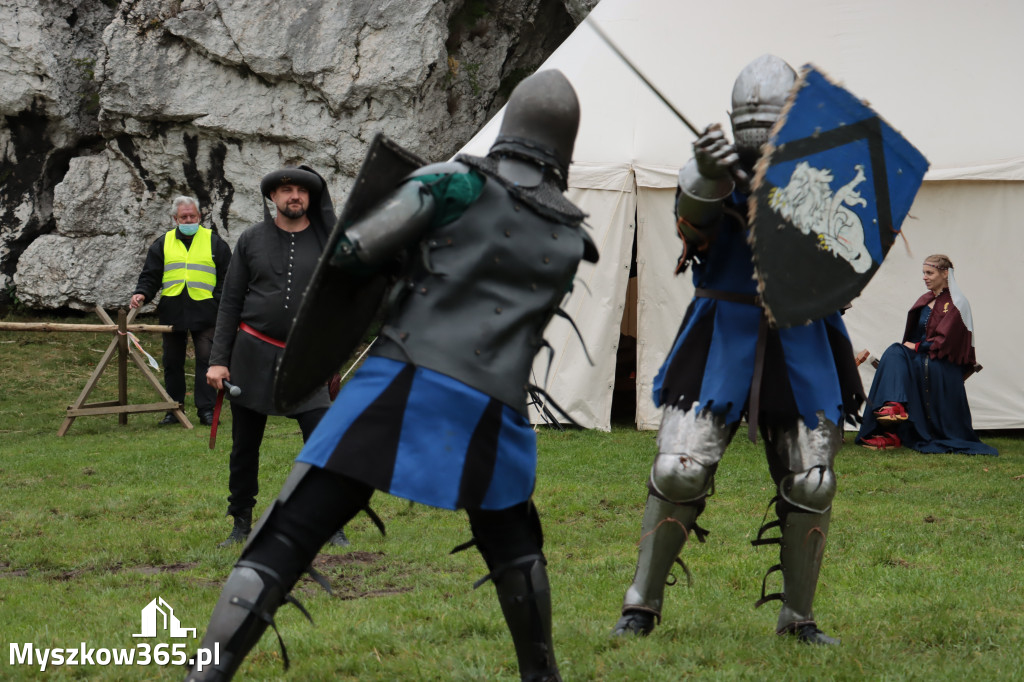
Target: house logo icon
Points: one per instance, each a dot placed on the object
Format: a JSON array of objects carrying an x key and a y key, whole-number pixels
[{"x": 159, "y": 613}]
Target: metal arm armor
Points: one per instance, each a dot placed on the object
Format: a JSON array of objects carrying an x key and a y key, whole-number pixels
[
  {"x": 699, "y": 198},
  {"x": 393, "y": 224}
]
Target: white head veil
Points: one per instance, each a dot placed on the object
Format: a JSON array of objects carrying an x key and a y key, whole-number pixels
[{"x": 959, "y": 300}]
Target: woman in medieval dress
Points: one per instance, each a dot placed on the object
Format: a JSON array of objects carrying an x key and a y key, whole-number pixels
[{"x": 917, "y": 398}]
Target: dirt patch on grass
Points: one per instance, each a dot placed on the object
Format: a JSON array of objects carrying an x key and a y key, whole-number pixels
[
  {"x": 167, "y": 568},
  {"x": 355, "y": 575},
  {"x": 326, "y": 561},
  {"x": 7, "y": 572},
  {"x": 144, "y": 569}
]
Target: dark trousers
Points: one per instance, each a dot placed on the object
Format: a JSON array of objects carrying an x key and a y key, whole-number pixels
[
  {"x": 174, "y": 366},
  {"x": 325, "y": 501},
  {"x": 510, "y": 541},
  {"x": 247, "y": 428}
]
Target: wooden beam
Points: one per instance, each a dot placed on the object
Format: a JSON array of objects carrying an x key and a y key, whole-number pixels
[
  {"x": 104, "y": 403},
  {"x": 66, "y": 327},
  {"x": 121, "y": 409},
  {"x": 89, "y": 385},
  {"x": 179, "y": 414},
  {"x": 125, "y": 352},
  {"x": 122, "y": 364}
]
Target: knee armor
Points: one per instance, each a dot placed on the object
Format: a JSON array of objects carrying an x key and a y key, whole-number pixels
[
  {"x": 801, "y": 461},
  {"x": 678, "y": 478},
  {"x": 810, "y": 490},
  {"x": 690, "y": 445}
]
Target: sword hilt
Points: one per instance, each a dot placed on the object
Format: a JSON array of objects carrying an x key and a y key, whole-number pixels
[{"x": 739, "y": 174}]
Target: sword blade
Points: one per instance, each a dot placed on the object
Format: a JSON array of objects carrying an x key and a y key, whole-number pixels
[{"x": 608, "y": 41}]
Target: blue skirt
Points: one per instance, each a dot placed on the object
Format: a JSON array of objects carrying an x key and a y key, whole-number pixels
[
  {"x": 807, "y": 370},
  {"x": 935, "y": 399},
  {"x": 426, "y": 437}
]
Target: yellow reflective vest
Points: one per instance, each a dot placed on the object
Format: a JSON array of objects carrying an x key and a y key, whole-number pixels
[{"x": 192, "y": 268}]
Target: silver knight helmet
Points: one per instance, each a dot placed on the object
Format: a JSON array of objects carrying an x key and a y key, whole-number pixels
[
  {"x": 758, "y": 96},
  {"x": 540, "y": 124}
]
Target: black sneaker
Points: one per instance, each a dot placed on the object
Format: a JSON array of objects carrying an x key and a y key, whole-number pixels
[
  {"x": 237, "y": 536},
  {"x": 339, "y": 539},
  {"x": 240, "y": 531},
  {"x": 206, "y": 418},
  {"x": 638, "y": 623},
  {"x": 168, "y": 419}
]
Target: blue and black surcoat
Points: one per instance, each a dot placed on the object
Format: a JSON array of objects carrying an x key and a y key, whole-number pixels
[
  {"x": 437, "y": 414},
  {"x": 806, "y": 370}
]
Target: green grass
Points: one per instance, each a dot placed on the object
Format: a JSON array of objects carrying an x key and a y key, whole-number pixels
[{"x": 922, "y": 575}]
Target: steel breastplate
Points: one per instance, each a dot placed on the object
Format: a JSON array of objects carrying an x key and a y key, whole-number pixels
[{"x": 480, "y": 293}]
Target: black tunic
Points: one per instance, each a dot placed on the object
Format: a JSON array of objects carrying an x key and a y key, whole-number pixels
[{"x": 269, "y": 272}]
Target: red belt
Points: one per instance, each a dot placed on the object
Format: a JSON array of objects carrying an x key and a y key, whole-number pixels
[{"x": 260, "y": 335}]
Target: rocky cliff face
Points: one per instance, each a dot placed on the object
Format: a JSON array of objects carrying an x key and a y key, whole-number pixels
[{"x": 110, "y": 110}]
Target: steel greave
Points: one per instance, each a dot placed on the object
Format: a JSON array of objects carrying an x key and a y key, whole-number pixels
[
  {"x": 801, "y": 552},
  {"x": 663, "y": 533},
  {"x": 234, "y": 628},
  {"x": 525, "y": 597}
]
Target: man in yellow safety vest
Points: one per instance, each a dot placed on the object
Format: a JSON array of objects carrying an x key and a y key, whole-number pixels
[{"x": 187, "y": 265}]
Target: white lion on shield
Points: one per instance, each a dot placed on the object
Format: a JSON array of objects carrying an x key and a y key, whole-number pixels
[{"x": 809, "y": 204}]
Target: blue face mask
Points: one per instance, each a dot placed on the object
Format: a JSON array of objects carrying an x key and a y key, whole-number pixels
[{"x": 188, "y": 229}]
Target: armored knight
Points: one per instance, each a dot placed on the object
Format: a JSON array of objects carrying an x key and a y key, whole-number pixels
[
  {"x": 795, "y": 385},
  {"x": 437, "y": 414}
]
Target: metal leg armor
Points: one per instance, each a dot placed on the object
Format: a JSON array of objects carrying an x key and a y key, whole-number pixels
[
  {"x": 801, "y": 462},
  {"x": 665, "y": 528},
  {"x": 251, "y": 596},
  {"x": 690, "y": 445},
  {"x": 511, "y": 542},
  {"x": 246, "y": 606},
  {"x": 800, "y": 554},
  {"x": 525, "y": 597}
]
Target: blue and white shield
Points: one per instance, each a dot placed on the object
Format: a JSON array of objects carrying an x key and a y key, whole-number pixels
[{"x": 829, "y": 196}]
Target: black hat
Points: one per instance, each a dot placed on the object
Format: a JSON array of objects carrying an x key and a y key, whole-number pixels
[{"x": 291, "y": 175}]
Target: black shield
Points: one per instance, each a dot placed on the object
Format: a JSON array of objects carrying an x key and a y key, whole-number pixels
[
  {"x": 339, "y": 306},
  {"x": 830, "y": 195}
]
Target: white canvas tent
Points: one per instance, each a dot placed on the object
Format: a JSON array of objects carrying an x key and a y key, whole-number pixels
[{"x": 935, "y": 72}]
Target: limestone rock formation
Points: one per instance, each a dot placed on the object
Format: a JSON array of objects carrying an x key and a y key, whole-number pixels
[{"x": 110, "y": 110}]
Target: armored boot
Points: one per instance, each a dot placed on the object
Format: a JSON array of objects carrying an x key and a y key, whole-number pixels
[
  {"x": 801, "y": 461},
  {"x": 240, "y": 531},
  {"x": 276, "y": 554},
  {"x": 800, "y": 555},
  {"x": 525, "y": 598},
  {"x": 664, "y": 530},
  {"x": 246, "y": 606}
]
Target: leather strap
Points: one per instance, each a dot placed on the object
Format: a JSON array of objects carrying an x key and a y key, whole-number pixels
[
  {"x": 754, "y": 402},
  {"x": 731, "y": 296}
]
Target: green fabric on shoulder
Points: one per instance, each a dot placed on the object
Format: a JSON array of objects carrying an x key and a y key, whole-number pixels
[{"x": 453, "y": 193}]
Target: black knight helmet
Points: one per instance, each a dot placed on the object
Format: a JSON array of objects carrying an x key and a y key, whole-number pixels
[
  {"x": 758, "y": 96},
  {"x": 540, "y": 123}
]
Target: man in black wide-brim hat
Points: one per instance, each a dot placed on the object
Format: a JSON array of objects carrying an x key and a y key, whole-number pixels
[{"x": 274, "y": 261}]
